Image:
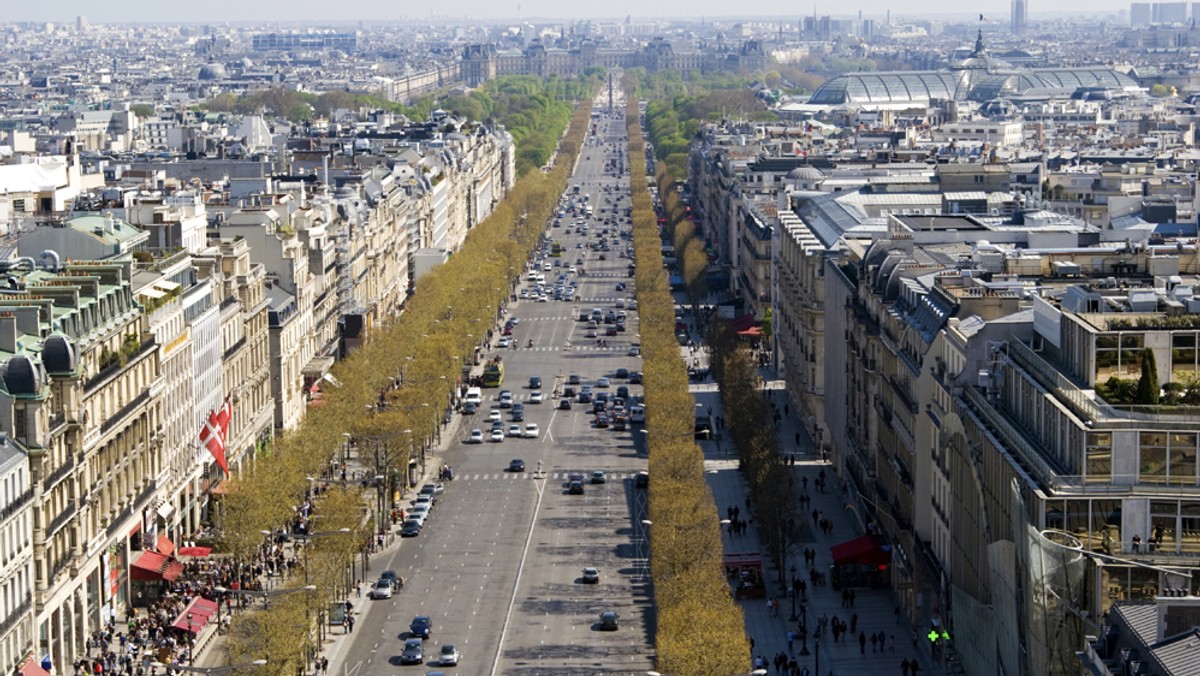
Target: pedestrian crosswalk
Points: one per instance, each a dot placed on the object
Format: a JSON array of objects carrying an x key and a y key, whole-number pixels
[
  {"x": 577, "y": 348},
  {"x": 547, "y": 476}
]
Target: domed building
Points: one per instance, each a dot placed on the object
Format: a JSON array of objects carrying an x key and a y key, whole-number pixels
[{"x": 979, "y": 77}]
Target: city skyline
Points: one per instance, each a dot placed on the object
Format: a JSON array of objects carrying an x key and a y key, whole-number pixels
[{"x": 61, "y": 11}]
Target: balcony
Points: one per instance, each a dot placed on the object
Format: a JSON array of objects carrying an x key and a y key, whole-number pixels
[
  {"x": 17, "y": 614},
  {"x": 16, "y": 505},
  {"x": 57, "y": 475}
]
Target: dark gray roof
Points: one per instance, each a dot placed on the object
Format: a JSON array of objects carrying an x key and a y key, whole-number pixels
[
  {"x": 22, "y": 375},
  {"x": 58, "y": 354}
]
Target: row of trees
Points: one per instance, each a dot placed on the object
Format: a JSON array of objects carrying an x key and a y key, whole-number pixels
[
  {"x": 690, "y": 254},
  {"x": 748, "y": 421},
  {"x": 391, "y": 399},
  {"x": 532, "y": 109},
  {"x": 692, "y": 596}
]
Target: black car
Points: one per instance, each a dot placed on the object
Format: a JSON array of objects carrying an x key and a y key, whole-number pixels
[
  {"x": 414, "y": 652},
  {"x": 421, "y": 626},
  {"x": 391, "y": 576},
  {"x": 518, "y": 413},
  {"x": 622, "y": 373},
  {"x": 535, "y": 383},
  {"x": 642, "y": 480},
  {"x": 575, "y": 488},
  {"x": 516, "y": 465},
  {"x": 635, "y": 378},
  {"x": 469, "y": 408},
  {"x": 410, "y": 529},
  {"x": 565, "y": 404}
]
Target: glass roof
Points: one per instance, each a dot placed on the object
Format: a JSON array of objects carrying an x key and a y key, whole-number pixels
[{"x": 918, "y": 87}]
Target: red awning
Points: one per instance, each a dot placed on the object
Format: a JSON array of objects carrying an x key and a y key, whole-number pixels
[
  {"x": 201, "y": 610},
  {"x": 164, "y": 546},
  {"x": 743, "y": 322},
  {"x": 860, "y": 550},
  {"x": 151, "y": 566},
  {"x": 752, "y": 331},
  {"x": 742, "y": 560},
  {"x": 32, "y": 668},
  {"x": 195, "y": 552}
]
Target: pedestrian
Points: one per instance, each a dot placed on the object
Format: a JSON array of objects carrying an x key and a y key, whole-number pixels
[
  {"x": 854, "y": 622},
  {"x": 791, "y": 638},
  {"x": 892, "y": 643},
  {"x": 862, "y": 643},
  {"x": 358, "y": 588},
  {"x": 904, "y": 667},
  {"x": 914, "y": 666},
  {"x": 852, "y": 595},
  {"x": 874, "y": 641},
  {"x": 349, "y": 624}
]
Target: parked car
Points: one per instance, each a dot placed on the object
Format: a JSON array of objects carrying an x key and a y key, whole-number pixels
[
  {"x": 591, "y": 575},
  {"x": 393, "y": 577},
  {"x": 411, "y": 528}
]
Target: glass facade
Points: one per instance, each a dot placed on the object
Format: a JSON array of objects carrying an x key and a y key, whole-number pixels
[{"x": 973, "y": 83}]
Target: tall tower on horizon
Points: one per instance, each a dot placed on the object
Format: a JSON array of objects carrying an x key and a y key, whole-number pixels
[{"x": 1018, "y": 17}]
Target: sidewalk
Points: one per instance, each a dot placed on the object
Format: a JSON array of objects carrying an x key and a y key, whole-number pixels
[
  {"x": 334, "y": 645},
  {"x": 875, "y": 608}
]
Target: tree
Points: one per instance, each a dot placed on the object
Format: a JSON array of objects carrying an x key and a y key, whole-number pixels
[{"x": 1148, "y": 389}]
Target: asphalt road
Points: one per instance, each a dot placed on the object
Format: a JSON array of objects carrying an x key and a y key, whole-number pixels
[{"x": 498, "y": 565}]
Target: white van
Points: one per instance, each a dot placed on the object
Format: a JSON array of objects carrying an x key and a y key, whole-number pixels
[
  {"x": 474, "y": 396},
  {"x": 637, "y": 413}
]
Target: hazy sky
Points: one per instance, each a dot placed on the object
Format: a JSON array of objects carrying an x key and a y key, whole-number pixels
[{"x": 309, "y": 11}]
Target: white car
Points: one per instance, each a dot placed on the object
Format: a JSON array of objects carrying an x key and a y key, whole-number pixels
[
  {"x": 495, "y": 415},
  {"x": 476, "y": 437},
  {"x": 602, "y": 382},
  {"x": 418, "y": 514},
  {"x": 503, "y": 342},
  {"x": 382, "y": 589},
  {"x": 497, "y": 436},
  {"x": 514, "y": 430},
  {"x": 535, "y": 397},
  {"x": 448, "y": 657},
  {"x": 532, "y": 431},
  {"x": 543, "y": 298}
]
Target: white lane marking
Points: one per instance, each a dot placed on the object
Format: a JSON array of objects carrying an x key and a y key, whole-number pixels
[{"x": 512, "y": 601}]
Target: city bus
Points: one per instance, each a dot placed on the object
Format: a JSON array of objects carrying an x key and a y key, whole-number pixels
[
  {"x": 493, "y": 373},
  {"x": 556, "y": 249}
]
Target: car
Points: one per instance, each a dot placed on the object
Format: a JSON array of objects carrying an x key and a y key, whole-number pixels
[
  {"x": 414, "y": 652},
  {"x": 641, "y": 480},
  {"x": 382, "y": 589},
  {"x": 535, "y": 397},
  {"x": 422, "y": 499},
  {"x": 504, "y": 341},
  {"x": 448, "y": 656},
  {"x": 531, "y": 431},
  {"x": 419, "y": 513},
  {"x": 516, "y": 465},
  {"x": 543, "y": 298},
  {"x": 602, "y": 382},
  {"x": 535, "y": 382},
  {"x": 591, "y": 333},
  {"x": 601, "y": 421},
  {"x": 564, "y": 405},
  {"x": 518, "y": 413},
  {"x": 507, "y": 331},
  {"x": 575, "y": 488},
  {"x": 591, "y": 575},
  {"x": 433, "y": 489},
  {"x": 497, "y": 436},
  {"x": 635, "y": 378},
  {"x": 574, "y": 379},
  {"x": 496, "y": 425},
  {"x": 421, "y": 626},
  {"x": 635, "y": 351},
  {"x": 609, "y": 620},
  {"x": 391, "y": 576},
  {"x": 622, "y": 373},
  {"x": 476, "y": 437},
  {"x": 514, "y": 430},
  {"x": 506, "y": 399},
  {"x": 598, "y": 477},
  {"x": 495, "y": 415},
  {"x": 411, "y": 528}
]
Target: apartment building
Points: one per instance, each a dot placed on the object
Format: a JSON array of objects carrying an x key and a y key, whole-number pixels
[{"x": 16, "y": 555}]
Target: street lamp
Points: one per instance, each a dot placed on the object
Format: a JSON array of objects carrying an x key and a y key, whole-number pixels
[{"x": 191, "y": 641}]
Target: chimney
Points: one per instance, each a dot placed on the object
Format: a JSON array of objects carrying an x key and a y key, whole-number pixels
[{"x": 8, "y": 333}]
